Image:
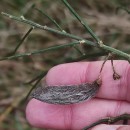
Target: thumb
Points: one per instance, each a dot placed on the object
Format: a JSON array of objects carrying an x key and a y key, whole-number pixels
[{"x": 112, "y": 127}]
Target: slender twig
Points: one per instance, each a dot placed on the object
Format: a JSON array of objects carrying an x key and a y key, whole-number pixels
[
  {"x": 58, "y": 26},
  {"x": 39, "y": 51},
  {"x": 35, "y": 85},
  {"x": 106, "y": 58},
  {"x": 36, "y": 25},
  {"x": 51, "y": 19},
  {"x": 86, "y": 56},
  {"x": 109, "y": 120},
  {"x": 116, "y": 76},
  {"x": 78, "y": 50},
  {"x": 27, "y": 33},
  {"x": 37, "y": 77},
  {"x": 102, "y": 46},
  {"x": 102, "y": 121},
  {"x": 85, "y": 25},
  {"x": 22, "y": 40},
  {"x": 116, "y": 52},
  {"x": 110, "y": 56},
  {"x": 28, "y": 10}
]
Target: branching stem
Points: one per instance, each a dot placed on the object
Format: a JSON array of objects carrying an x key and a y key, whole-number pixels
[
  {"x": 104, "y": 47},
  {"x": 85, "y": 25},
  {"x": 22, "y": 40},
  {"x": 109, "y": 120},
  {"x": 51, "y": 19},
  {"x": 39, "y": 51}
]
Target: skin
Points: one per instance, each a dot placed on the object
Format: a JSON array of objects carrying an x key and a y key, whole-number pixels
[{"x": 113, "y": 98}]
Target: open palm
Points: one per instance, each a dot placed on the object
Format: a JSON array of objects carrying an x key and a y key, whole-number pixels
[{"x": 113, "y": 98}]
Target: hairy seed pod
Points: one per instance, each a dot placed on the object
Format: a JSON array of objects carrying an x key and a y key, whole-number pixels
[{"x": 66, "y": 94}]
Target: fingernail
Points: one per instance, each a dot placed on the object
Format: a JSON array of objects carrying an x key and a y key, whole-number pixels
[
  {"x": 105, "y": 127},
  {"x": 110, "y": 128},
  {"x": 117, "y": 127}
]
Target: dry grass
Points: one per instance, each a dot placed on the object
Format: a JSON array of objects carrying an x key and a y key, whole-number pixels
[{"x": 112, "y": 28}]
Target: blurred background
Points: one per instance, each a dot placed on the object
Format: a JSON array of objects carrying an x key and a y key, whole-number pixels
[{"x": 111, "y": 26}]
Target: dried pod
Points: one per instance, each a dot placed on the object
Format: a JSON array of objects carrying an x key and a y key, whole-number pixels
[
  {"x": 67, "y": 94},
  {"x": 116, "y": 76}
]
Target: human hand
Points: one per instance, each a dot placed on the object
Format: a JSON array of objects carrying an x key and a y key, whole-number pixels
[{"x": 113, "y": 98}]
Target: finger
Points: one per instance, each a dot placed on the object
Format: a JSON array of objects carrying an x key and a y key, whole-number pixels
[
  {"x": 76, "y": 116},
  {"x": 80, "y": 72},
  {"x": 112, "y": 127}
]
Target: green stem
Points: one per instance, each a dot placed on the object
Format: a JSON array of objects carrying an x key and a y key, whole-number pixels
[
  {"x": 57, "y": 25},
  {"x": 81, "y": 40},
  {"x": 86, "y": 56},
  {"x": 78, "y": 50},
  {"x": 109, "y": 120},
  {"x": 35, "y": 85},
  {"x": 28, "y": 11},
  {"x": 51, "y": 19},
  {"x": 103, "y": 121},
  {"x": 37, "y": 77},
  {"x": 39, "y": 51},
  {"x": 117, "y": 52},
  {"x": 85, "y": 25},
  {"x": 22, "y": 40},
  {"x": 22, "y": 19}
]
